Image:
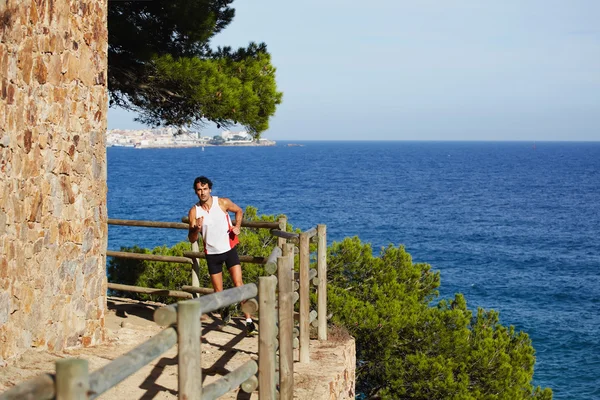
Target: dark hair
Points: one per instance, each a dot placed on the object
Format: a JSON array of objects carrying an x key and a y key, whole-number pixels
[{"x": 203, "y": 180}]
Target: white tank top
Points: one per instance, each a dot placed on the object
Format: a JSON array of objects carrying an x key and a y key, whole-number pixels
[{"x": 216, "y": 229}]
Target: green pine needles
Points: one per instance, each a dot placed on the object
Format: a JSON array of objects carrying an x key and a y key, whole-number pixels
[{"x": 161, "y": 65}]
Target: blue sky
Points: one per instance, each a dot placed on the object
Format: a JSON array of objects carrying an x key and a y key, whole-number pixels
[{"x": 424, "y": 69}]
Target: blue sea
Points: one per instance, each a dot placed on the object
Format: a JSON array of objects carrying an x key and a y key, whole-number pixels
[{"x": 515, "y": 226}]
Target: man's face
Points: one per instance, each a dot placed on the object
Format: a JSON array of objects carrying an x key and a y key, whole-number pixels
[{"x": 202, "y": 191}]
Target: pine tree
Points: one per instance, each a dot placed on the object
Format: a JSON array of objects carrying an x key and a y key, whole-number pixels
[{"x": 161, "y": 65}]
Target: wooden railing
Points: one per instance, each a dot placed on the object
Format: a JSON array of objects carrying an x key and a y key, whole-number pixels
[{"x": 183, "y": 325}]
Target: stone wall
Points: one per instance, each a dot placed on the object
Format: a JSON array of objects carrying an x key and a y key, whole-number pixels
[
  {"x": 53, "y": 232},
  {"x": 331, "y": 372}
]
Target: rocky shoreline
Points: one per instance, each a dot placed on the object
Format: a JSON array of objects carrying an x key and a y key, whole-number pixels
[{"x": 185, "y": 146}]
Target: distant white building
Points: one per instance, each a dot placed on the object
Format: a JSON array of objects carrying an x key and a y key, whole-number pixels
[{"x": 237, "y": 137}]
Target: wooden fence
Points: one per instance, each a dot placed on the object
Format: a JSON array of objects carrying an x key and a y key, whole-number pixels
[{"x": 276, "y": 298}]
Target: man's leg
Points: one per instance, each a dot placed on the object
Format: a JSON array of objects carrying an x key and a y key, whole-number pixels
[
  {"x": 217, "y": 281},
  {"x": 215, "y": 269},
  {"x": 236, "y": 277}
]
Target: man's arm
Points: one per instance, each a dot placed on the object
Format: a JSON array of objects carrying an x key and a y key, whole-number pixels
[
  {"x": 194, "y": 227},
  {"x": 228, "y": 205}
]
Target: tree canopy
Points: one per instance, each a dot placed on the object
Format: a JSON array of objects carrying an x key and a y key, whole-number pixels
[
  {"x": 407, "y": 347},
  {"x": 161, "y": 65}
]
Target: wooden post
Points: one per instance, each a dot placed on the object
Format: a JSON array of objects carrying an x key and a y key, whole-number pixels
[
  {"x": 195, "y": 268},
  {"x": 72, "y": 379},
  {"x": 322, "y": 275},
  {"x": 266, "y": 338},
  {"x": 282, "y": 227},
  {"x": 288, "y": 248},
  {"x": 286, "y": 326},
  {"x": 304, "y": 298},
  {"x": 190, "y": 368}
]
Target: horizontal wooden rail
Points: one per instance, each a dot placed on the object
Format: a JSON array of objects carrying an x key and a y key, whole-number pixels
[
  {"x": 43, "y": 386},
  {"x": 290, "y": 236},
  {"x": 167, "y": 315},
  {"x": 159, "y": 292},
  {"x": 186, "y": 259},
  {"x": 250, "y": 306},
  {"x": 197, "y": 289},
  {"x": 148, "y": 257},
  {"x": 312, "y": 273},
  {"x": 230, "y": 381},
  {"x": 129, "y": 363},
  {"x": 312, "y": 316},
  {"x": 271, "y": 264},
  {"x": 246, "y": 224},
  {"x": 148, "y": 224},
  {"x": 38, "y": 388},
  {"x": 248, "y": 259},
  {"x": 311, "y": 232},
  {"x": 184, "y": 224}
]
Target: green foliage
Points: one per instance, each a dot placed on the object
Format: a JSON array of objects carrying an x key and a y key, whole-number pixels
[
  {"x": 160, "y": 65},
  {"x": 406, "y": 347},
  {"x": 154, "y": 274}
]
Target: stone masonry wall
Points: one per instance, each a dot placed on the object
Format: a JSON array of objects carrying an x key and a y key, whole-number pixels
[{"x": 53, "y": 232}]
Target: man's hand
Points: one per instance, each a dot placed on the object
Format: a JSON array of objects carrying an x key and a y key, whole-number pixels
[
  {"x": 235, "y": 230},
  {"x": 195, "y": 225}
]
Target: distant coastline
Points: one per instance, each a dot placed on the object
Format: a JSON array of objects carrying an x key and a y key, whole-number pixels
[
  {"x": 188, "y": 145},
  {"x": 173, "y": 138}
]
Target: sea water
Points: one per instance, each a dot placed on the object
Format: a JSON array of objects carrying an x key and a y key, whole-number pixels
[{"x": 515, "y": 226}]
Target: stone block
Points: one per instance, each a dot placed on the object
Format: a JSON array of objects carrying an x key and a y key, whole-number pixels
[
  {"x": 55, "y": 73},
  {"x": 40, "y": 71},
  {"x": 3, "y": 269},
  {"x": 10, "y": 94},
  {"x": 2, "y": 222},
  {"x": 65, "y": 232},
  {"x": 25, "y": 60},
  {"x": 71, "y": 66},
  {"x": 5, "y": 306},
  {"x": 67, "y": 189}
]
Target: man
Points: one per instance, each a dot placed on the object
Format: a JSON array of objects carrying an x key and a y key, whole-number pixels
[{"x": 210, "y": 216}]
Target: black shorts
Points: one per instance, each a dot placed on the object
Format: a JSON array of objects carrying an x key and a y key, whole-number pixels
[{"x": 215, "y": 261}]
